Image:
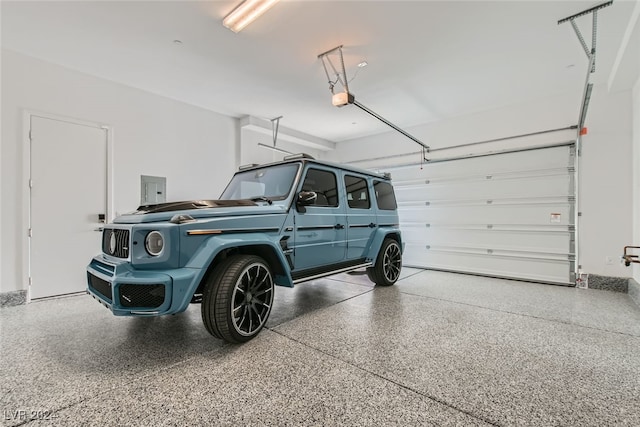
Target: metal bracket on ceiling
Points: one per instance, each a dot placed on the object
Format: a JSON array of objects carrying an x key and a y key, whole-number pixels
[
  {"x": 341, "y": 76},
  {"x": 591, "y": 53},
  {"x": 275, "y": 125},
  {"x": 594, "y": 29},
  {"x": 346, "y": 97}
]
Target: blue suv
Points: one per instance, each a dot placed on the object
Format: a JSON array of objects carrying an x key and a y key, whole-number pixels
[{"x": 278, "y": 224}]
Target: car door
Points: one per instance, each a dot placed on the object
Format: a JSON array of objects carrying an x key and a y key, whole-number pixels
[
  {"x": 361, "y": 215},
  {"x": 320, "y": 228}
]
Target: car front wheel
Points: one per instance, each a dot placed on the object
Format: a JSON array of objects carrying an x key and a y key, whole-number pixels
[{"x": 237, "y": 298}]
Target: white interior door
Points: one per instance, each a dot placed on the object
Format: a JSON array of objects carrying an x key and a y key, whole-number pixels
[
  {"x": 506, "y": 215},
  {"x": 68, "y": 192}
]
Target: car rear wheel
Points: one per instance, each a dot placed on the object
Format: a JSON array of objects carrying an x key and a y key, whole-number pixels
[
  {"x": 386, "y": 271},
  {"x": 237, "y": 298}
]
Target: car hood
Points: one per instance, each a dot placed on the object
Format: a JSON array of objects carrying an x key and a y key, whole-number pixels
[
  {"x": 191, "y": 204},
  {"x": 198, "y": 209}
]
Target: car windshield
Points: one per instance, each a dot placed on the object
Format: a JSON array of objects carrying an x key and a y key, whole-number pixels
[{"x": 273, "y": 183}]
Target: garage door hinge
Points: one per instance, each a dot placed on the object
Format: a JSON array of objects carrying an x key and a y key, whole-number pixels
[
  {"x": 30, "y": 282},
  {"x": 30, "y": 233},
  {"x": 30, "y": 183}
]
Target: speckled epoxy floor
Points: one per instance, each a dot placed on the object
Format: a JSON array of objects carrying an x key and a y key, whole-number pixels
[{"x": 436, "y": 349}]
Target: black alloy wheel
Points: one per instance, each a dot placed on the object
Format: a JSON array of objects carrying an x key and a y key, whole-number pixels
[{"x": 237, "y": 298}]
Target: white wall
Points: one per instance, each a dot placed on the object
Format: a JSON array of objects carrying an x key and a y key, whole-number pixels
[
  {"x": 194, "y": 148},
  {"x": 607, "y": 167},
  {"x": 606, "y": 187},
  {"x": 636, "y": 174}
]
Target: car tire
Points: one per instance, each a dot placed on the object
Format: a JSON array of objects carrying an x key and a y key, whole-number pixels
[
  {"x": 237, "y": 298},
  {"x": 386, "y": 270}
]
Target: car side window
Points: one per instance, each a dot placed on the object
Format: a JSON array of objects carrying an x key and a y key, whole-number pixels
[
  {"x": 324, "y": 184},
  {"x": 357, "y": 192},
  {"x": 384, "y": 196}
]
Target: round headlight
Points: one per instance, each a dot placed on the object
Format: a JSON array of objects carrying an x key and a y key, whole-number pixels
[{"x": 154, "y": 243}]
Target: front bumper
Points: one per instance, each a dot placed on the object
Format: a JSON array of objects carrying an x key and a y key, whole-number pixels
[{"x": 130, "y": 292}]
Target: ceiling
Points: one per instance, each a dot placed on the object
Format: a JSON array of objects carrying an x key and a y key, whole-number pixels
[{"x": 428, "y": 60}]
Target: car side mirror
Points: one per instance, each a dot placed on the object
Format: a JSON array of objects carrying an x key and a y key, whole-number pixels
[{"x": 306, "y": 198}]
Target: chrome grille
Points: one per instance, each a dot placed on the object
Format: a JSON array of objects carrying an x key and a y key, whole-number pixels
[{"x": 115, "y": 242}]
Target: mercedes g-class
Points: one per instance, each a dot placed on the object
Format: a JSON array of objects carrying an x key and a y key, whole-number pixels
[{"x": 282, "y": 223}]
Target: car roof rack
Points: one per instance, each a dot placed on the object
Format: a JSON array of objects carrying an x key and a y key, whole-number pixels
[
  {"x": 249, "y": 166},
  {"x": 299, "y": 156}
]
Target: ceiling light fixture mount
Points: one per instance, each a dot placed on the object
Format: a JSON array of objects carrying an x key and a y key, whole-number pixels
[
  {"x": 275, "y": 125},
  {"x": 246, "y": 12}
]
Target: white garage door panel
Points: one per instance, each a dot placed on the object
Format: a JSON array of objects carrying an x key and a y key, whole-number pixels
[
  {"x": 523, "y": 240},
  {"x": 506, "y": 215},
  {"x": 485, "y": 214},
  {"x": 512, "y": 163},
  {"x": 540, "y": 187},
  {"x": 528, "y": 268}
]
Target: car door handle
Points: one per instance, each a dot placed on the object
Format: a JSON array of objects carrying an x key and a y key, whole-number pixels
[
  {"x": 338, "y": 226},
  {"x": 372, "y": 225}
]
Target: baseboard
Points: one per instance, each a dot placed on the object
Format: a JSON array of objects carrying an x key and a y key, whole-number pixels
[
  {"x": 10, "y": 299},
  {"x": 606, "y": 283},
  {"x": 634, "y": 291}
]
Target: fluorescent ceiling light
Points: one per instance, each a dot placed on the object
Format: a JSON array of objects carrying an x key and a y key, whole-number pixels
[{"x": 246, "y": 13}]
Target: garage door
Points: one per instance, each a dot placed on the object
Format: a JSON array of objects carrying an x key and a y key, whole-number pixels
[{"x": 504, "y": 215}]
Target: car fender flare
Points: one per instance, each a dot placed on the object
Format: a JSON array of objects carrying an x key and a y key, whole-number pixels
[
  {"x": 379, "y": 236},
  {"x": 214, "y": 245}
]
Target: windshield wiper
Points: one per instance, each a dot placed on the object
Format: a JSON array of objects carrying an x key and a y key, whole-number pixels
[{"x": 261, "y": 199}]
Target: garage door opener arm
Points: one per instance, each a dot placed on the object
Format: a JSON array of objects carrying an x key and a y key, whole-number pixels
[{"x": 341, "y": 99}]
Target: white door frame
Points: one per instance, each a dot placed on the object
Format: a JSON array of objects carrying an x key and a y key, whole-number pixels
[{"x": 26, "y": 174}]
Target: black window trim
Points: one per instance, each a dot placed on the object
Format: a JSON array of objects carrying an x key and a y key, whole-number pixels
[
  {"x": 379, "y": 181},
  {"x": 366, "y": 186},
  {"x": 314, "y": 166}
]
